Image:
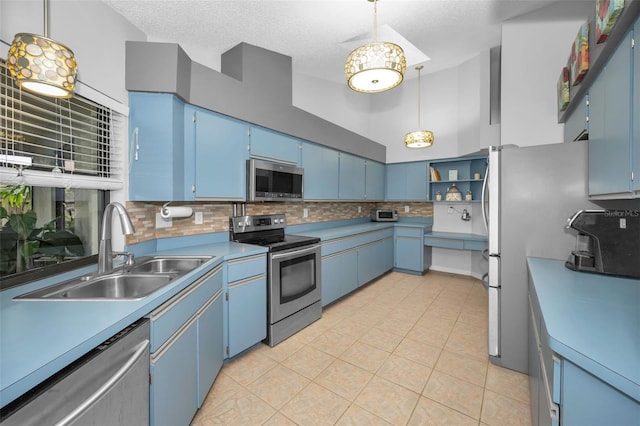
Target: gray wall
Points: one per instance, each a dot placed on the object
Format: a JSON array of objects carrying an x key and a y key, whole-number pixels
[{"x": 255, "y": 85}]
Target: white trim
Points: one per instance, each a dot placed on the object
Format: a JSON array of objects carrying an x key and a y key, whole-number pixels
[
  {"x": 100, "y": 98},
  {"x": 11, "y": 176}
]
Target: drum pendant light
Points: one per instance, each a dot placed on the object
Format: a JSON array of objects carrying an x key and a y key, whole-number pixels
[
  {"x": 377, "y": 66},
  {"x": 42, "y": 65},
  {"x": 419, "y": 138}
]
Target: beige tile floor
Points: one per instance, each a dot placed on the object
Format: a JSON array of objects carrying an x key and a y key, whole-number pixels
[{"x": 402, "y": 350}]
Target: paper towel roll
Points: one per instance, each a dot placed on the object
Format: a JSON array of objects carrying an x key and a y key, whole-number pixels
[{"x": 171, "y": 212}]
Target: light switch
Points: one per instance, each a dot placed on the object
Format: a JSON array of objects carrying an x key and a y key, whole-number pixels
[
  {"x": 305, "y": 212},
  {"x": 406, "y": 209},
  {"x": 199, "y": 218}
]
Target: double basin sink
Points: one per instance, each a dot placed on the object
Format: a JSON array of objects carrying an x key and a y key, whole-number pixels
[{"x": 145, "y": 276}]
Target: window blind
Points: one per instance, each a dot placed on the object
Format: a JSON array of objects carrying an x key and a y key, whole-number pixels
[{"x": 58, "y": 142}]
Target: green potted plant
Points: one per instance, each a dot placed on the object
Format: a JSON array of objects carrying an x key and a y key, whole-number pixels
[{"x": 20, "y": 240}]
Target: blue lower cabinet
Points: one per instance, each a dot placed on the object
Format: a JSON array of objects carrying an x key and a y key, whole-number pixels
[
  {"x": 210, "y": 345},
  {"x": 186, "y": 354},
  {"x": 374, "y": 259},
  {"x": 174, "y": 379},
  {"x": 247, "y": 312},
  {"x": 339, "y": 275},
  {"x": 245, "y": 303},
  {"x": 409, "y": 249}
]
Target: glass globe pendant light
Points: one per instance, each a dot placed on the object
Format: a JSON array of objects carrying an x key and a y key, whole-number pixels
[
  {"x": 419, "y": 138},
  {"x": 42, "y": 65},
  {"x": 377, "y": 66}
]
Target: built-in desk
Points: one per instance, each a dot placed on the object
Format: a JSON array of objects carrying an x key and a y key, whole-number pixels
[{"x": 455, "y": 240}]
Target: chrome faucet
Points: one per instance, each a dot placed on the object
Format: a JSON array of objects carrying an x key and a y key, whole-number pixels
[{"x": 105, "y": 253}]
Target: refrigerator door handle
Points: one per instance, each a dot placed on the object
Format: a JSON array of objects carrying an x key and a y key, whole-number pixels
[
  {"x": 494, "y": 322},
  {"x": 484, "y": 201}
]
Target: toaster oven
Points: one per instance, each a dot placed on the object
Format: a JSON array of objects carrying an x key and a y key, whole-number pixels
[{"x": 382, "y": 215}]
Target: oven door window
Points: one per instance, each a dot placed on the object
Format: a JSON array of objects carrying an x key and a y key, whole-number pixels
[{"x": 297, "y": 277}]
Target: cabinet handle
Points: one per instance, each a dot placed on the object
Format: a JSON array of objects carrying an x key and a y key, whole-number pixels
[{"x": 141, "y": 349}]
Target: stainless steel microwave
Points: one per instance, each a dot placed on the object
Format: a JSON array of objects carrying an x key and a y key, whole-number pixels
[{"x": 268, "y": 181}]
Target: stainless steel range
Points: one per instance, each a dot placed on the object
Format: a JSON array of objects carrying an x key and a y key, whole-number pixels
[{"x": 293, "y": 270}]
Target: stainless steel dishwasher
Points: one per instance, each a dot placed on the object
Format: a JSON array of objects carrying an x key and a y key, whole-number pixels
[{"x": 107, "y": 386}]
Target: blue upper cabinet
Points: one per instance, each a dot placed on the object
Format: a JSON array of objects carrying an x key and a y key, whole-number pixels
[
  {"x": 406, "y": 181},
  {"x": 352, "y": 177},
  {"x": 611, "y": 143},
  {"x": 321, "y": 168},
  {"x": 374, "y": 181},
  {"x": 576, "y": 126},
  {"x": 273, "y": 146},
  {"x": 217, "y": 146},
  {"x": 156, "y": 170}
]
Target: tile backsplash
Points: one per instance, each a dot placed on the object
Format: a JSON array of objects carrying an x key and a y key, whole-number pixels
[{"x": 216, "y": 215}]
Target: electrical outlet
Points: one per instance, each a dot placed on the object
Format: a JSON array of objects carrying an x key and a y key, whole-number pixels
[
  {"x": 305, "y": 212},
  {"x": 406, "y": 209},
  {"x": 359, "y": 209},
  {"x": 199, "y": 218},
  {"x": 450, "y": 210},
  {"x": 163, "y": 223}
]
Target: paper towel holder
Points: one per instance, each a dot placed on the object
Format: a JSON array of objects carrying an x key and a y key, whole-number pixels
[{"x": 167, "y": 212}]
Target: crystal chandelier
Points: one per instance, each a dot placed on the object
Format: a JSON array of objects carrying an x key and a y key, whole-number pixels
[{"x": 377, "y": 66}]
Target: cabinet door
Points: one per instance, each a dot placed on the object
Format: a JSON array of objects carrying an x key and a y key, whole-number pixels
[
  {"x": 173, "y": 369},
  {"x": 273, "y": 146},
  {"x": 374, "y": 259},
  {"x": 339, "y": 275},
  {"x": 396, "y": 182},
  {"x": 247, "y": 313},
  {"x": 157, "y": 163},
  {"x": 576, "y": 124},
  {"x": 408, "y": 252},
  {"x": 352, "y": 177},
  {"x": 610, "y": 125},
  {"x": 210, "y": 345},
  {"x": 374, "y": 185},
  {"x": 417, "y": 181},
  {"x": 321, "y": 168},
  {"x": 219, "y": 158}
]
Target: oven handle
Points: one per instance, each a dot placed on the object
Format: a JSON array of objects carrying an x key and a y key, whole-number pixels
[{"x": 296, "y": 251}]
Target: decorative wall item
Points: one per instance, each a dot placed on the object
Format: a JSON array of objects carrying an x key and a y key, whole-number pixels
[
  {"x": 607, "y": 13},
  {"x": 563, "y": 89},
  {"x": 580, "y": 55}
]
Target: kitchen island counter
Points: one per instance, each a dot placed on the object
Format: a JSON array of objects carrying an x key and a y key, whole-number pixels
[{"x": 592, "y": 320}]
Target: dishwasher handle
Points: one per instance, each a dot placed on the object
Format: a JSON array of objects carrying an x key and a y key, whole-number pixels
[{"x": 107, "y": 386}]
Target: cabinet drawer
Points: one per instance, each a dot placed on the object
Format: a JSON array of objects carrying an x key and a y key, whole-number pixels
[
  {"x": 169, "y": 317},
  {"x": 408, "y": 232},
  {"x": 475, "y": 245},
  {"x": 238, "y": 269},
  {"x": 444, "y": 243}
]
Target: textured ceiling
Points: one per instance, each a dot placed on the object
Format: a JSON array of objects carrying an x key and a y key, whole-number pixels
[{"x": 313, "y": 33}]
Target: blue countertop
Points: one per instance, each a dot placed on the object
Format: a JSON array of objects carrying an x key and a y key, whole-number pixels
[
  {"x": 331, "y": 232},
  {"x": 592, "y": 320},
  {"x": 38, "y": 338},
  {"x": 456, "y": 236}
]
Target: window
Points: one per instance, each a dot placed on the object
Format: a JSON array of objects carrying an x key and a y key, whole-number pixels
[{"x": 58, "y": 160}]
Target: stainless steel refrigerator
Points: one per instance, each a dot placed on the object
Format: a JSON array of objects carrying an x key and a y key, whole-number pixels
[{"x": 529, "y": 194}]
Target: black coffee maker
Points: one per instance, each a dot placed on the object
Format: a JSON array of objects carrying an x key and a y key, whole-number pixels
[{"x": 608, "y": 242}]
